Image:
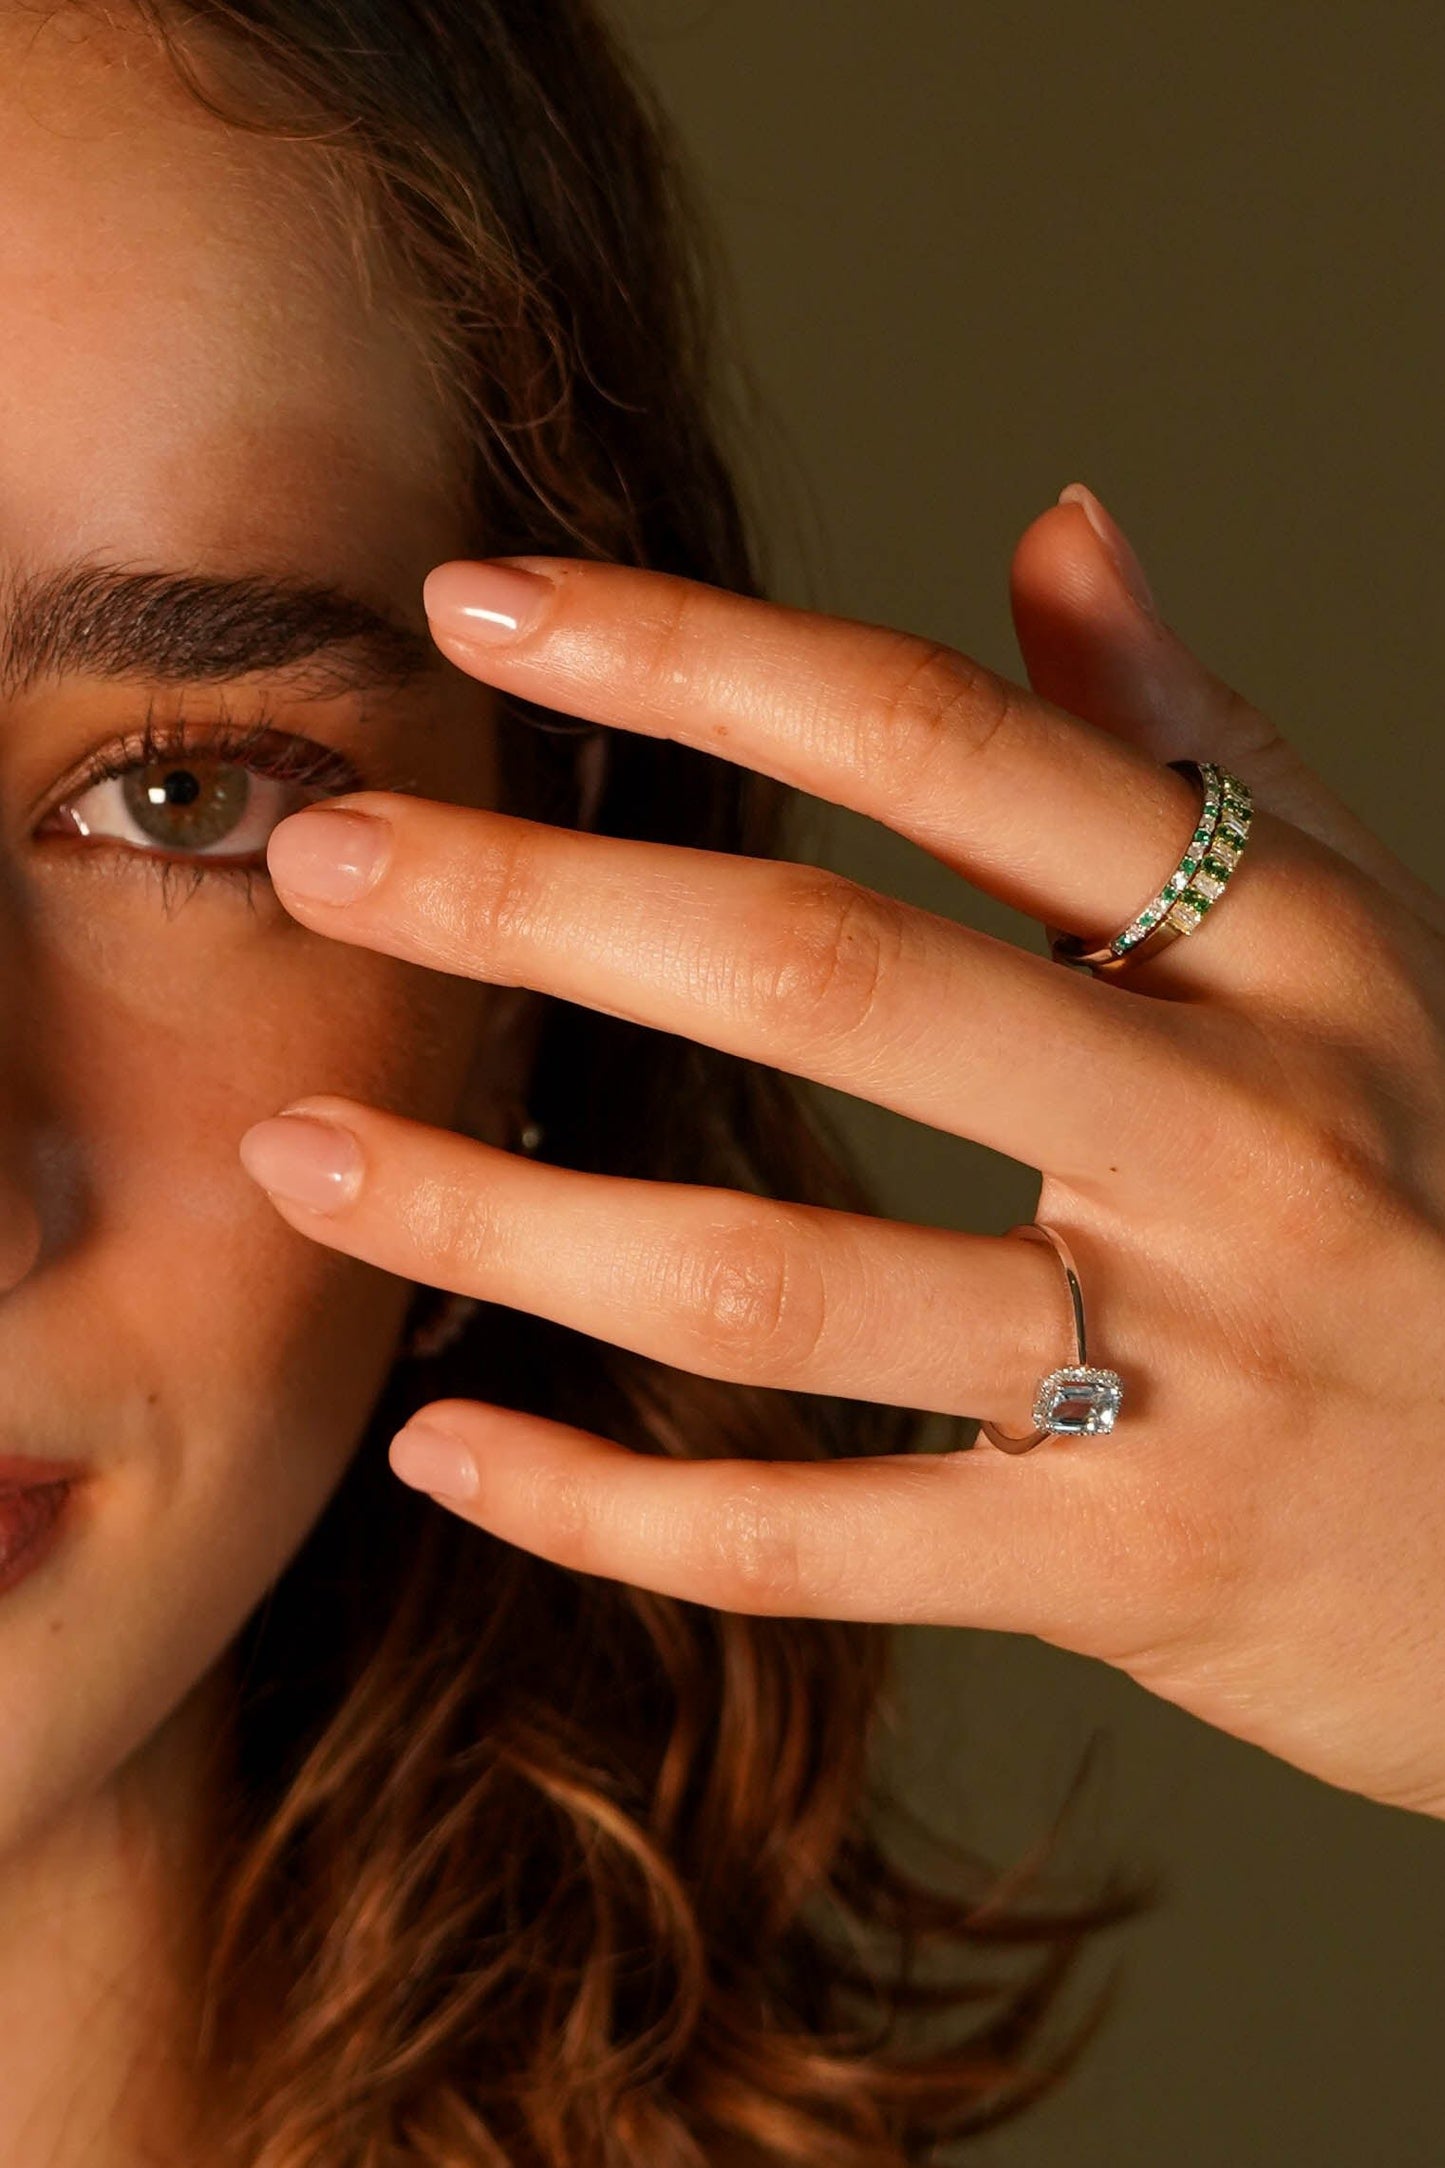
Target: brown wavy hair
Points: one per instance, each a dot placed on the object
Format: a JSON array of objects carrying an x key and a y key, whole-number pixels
[{"x": 519, "y": 1866}]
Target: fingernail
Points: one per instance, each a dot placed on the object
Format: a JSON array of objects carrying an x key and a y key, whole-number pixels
[
  {"x": 433, "y": 1459},
  {"x": 327, "y": 854},
  {"x": 305, "y": 1160},
  {"x": 484, "y": 602},
  {"x": 1115, "y": 541}
]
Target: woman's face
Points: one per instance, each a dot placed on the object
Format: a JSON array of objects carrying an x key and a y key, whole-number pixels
[{"x": 192, "y": 390}]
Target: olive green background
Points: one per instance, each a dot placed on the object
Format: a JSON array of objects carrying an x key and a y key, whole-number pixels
[{"x": 1190, "y": 256}]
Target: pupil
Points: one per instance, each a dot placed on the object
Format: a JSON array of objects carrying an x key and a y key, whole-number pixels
[{"x": 181, "y": 788}]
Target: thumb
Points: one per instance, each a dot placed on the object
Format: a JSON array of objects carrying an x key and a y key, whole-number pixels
[{"x": 1093, "y": 643}]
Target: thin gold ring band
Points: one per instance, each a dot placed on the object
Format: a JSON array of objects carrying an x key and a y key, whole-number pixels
[{"x": 1209, "y": 858}]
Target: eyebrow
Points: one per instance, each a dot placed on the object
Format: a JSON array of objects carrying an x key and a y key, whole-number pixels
[{"x": 175, "y": 627}]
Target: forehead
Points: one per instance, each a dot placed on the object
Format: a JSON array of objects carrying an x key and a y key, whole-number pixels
[{"x": 190, "y": 368}]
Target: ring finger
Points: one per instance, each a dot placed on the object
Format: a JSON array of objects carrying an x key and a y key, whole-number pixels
[
  {"x": 727, "y": 1285},
  {"x": 781, "y": 963}
]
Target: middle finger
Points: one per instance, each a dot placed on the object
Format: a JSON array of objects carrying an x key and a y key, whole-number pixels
[
  {"x": 788, "y": 964},
  {"x": 1052, "y": 815}
]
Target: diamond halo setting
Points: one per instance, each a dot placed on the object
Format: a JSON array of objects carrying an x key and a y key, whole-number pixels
[{"x": 1078, "y": 1401}]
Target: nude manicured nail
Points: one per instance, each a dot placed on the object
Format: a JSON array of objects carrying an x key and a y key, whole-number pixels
[
  {"x": 305, "y": 1160},
  {"x": 432, "y": 1459},
  {"x": 328, "y": 854},
  {"x": 484, "y": 602}
]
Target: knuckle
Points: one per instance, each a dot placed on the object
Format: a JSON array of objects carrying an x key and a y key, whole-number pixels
[
  {"x": 1312, "y": 1136},
  {"x": 753, "y": 1555},
  {"x": 450, "y": 1227},
  {"x": 498, "y": 892},
  {"x": 1327, "y": 1158},
  {"x": 816, "y": 976},
  {"x": 567, "y": 1507},
  {"x": 1181, "y": 1560},
  {"x": 933, "y": 704},
  {"x": 746, "y": 1301},
  {"x": 665, "y": 646}
]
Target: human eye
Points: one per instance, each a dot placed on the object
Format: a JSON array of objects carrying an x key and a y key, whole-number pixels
[{"x": 206, "y": 796}]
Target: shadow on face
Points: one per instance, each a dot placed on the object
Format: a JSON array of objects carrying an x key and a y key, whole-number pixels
[{"x": 194, "y": 391}]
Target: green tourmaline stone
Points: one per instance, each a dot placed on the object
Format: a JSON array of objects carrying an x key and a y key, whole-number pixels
[{"x": 1219, "y": 867}]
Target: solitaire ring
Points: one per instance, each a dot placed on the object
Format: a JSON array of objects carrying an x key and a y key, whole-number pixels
[{"x": 1078, "y": 1400}]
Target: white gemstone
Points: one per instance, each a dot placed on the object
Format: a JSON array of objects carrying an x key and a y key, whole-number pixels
[
  {"x": 1209, "y": 884},
  {"x": 1079, "y": 1400}
]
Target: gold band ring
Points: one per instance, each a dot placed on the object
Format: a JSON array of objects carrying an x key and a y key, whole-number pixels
[{"x": 1197, "y": 882}]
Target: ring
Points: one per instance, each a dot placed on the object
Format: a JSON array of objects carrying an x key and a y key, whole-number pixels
[
  {"x": 1197, "y": 882},
  {"x": 1077, "y": 1401}
]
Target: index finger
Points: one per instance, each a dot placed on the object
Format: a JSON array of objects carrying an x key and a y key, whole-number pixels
[{"x": 1052, "y": 815}]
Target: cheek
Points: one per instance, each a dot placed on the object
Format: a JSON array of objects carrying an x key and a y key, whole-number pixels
[
  {"x": 215, "y": 1366},
  {"x": 161, "y": 1042}
]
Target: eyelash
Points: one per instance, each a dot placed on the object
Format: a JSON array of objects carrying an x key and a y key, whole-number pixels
[{"x": 259, "y": 746}]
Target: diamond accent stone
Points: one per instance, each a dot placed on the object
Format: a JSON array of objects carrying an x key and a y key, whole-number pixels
[
  {"x": 1188, "y": 911},
  {"x": 1209, "y": 884},
  {"x": 1078, "y": 1401}
]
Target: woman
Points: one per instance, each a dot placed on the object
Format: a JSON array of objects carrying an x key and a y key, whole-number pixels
[{"x": 519, "y": 1810}]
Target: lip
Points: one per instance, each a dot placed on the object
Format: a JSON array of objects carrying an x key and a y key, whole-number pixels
[
  {"x": 33, "y": 1497},
  {"x": 19, "y": 1471},
  {"x": 31, "y": 1520}
]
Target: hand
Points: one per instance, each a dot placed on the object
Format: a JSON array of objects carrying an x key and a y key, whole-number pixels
[{"x": 1243, "y": 1140}]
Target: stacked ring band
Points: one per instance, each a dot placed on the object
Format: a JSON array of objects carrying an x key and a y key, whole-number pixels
[
  {"x": 1078, "y": 1400},
  {"x": 1195, "y": 885}
]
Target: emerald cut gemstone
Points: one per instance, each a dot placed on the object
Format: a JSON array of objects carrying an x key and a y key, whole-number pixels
[{"x": 1078, "y": 1401}]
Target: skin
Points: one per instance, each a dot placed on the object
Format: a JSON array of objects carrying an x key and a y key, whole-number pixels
[
  {"x": 152, "y": 412},
  {"x": 1241, "y": 1544},
  {"x": 1242, "y": 1137}
]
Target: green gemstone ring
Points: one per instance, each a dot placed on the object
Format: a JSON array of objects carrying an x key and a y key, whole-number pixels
[{"x": 1192, "y": 889}]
